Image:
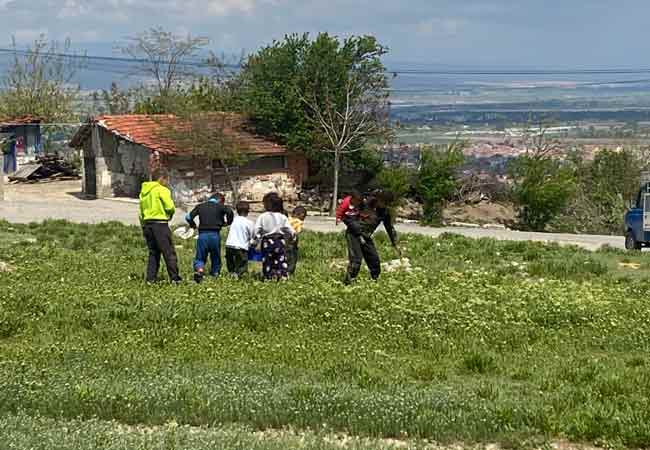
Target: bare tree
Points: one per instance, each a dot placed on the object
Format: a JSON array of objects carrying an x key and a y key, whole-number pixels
[
  {"x": 165, "y": 57},
  {"x": 538, "y": 144},
  {"x": 40, "y": 81},
  {"x": 348, "y": 125}
]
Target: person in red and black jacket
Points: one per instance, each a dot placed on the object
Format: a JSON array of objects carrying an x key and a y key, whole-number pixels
[{"x": 361, "y": 223}]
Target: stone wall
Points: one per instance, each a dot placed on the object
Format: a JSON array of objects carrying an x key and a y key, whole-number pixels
[
  {"x": 191, "y": 182},
  {"x": 116, "y": 167}
]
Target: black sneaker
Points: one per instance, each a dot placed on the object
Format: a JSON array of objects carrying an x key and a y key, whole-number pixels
[{"x": 198, "y": 277}]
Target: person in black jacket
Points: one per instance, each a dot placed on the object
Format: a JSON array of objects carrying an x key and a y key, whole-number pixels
[
  {"x": 213, "y": 216},
  {"x": 361, "y": 225}
]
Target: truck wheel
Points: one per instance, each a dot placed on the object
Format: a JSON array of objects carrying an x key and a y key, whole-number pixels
[{"x": 631, "y": 243}]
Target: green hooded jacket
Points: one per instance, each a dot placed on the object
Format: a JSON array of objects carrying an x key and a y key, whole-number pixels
[{"x": 156, "y": 202}]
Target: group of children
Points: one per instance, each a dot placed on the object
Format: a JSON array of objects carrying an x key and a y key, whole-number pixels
[{"x": 275, "y": 232}]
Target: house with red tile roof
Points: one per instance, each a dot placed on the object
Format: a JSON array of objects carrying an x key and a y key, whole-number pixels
[{"x": 120, "y": 151}]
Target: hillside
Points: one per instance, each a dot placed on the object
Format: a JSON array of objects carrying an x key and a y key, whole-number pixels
[{"x": 483, "y": 341}]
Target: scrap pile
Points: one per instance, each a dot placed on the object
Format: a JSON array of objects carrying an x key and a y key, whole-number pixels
[{"x": 48, "y": 167}]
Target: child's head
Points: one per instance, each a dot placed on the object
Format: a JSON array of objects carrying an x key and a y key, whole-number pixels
[
  {"x": 217, "y": 197},
  {"x": 355, "y": 198},
  {"x": 161, "y": 176},
  {"x": 380, "y": 199},
  {"x": 300, "y": 213},
  {"x": 243, "y": 208},
  {"x": 273, "y": 203}
]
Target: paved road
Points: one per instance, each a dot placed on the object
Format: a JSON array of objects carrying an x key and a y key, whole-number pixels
[{"x": 35, "y": 203}]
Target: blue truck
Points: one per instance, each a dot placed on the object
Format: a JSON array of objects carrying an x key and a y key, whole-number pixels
[{"x": 637, "y": 220}]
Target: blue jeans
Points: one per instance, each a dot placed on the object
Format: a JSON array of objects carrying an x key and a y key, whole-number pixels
[{"x": 208, "y": 244}]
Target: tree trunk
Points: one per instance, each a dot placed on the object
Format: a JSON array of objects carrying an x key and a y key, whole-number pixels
[
  {"x": 335, "y": 194},
  {"x": 234, "y": 185}
]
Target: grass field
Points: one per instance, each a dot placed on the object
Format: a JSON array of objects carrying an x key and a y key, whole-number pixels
[{"x": 515, "y": 343}]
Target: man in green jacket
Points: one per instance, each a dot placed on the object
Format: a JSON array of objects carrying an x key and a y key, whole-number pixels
[{"x": 156, "y": 210}]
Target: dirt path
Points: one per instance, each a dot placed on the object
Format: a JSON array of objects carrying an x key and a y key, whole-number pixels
[{"x": 61, "y": 200}]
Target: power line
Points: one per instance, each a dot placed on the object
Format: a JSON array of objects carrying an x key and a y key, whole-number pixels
[
  {"x": 187, "y": 62},
  {"x": 399, "y": 71}
]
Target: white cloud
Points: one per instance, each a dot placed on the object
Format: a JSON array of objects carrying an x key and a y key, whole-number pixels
[
  {"x": 74, "y": 8},
  {"x": 441, "y": 27}
]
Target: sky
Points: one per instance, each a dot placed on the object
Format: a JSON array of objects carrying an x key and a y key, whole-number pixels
[{"x": 485, "y": 33}]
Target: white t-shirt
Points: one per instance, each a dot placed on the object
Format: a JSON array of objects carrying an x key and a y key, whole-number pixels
[
  {"x": 240, "y": 234},
  {"x": 270, "y": 223}
]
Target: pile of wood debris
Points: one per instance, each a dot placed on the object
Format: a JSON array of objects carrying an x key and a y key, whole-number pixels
[{"x": 48, "y": 168}]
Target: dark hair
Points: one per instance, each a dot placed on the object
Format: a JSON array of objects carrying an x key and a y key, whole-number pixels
[
  {"x": 157, "y": 174},
  {"x": 299, "y": 211},
  {"x": 273, "y": 202},
  {"x": 380, "y": 198},
  {"x": 243, "y": 208}
]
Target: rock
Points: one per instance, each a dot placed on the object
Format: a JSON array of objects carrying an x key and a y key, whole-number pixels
[
  {"x": 397, "y": 265},
  {"x": 6, "y": 268},
  {"x": 494, "y": 226},
  {"x": 411, "y": 210},
  {"x": 184, "y": 233},
  {"x": 255, "y": 188},
  {"x": 464, "y": 225}
]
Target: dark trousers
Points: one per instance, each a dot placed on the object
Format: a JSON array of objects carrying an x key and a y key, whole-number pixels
[
  {"x": 237, "y": 261},
  {"x": 359, "y": 251},
  {"x": 208, "y": 245},
  {"x": 159, "y": 241},
  {"x": 292, "y": 255}
]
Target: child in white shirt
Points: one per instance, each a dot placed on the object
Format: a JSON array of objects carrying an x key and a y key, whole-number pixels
[{"x": 238, "y": 242}]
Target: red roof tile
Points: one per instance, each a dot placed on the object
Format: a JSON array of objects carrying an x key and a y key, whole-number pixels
[
  {"x": 17, "y": 121},
  {"x": 153, "y": 132}
]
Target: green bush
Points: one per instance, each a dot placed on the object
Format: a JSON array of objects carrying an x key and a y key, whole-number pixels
[
  {"x": 604, "y": 188},
  {"x": 398, "y": 180},
  {"x": 542, "y": 189},
  {"x": 437, "y": 180}
]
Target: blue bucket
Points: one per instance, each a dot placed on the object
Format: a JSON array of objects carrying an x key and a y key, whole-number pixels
[{"x": 254, "y": 255}]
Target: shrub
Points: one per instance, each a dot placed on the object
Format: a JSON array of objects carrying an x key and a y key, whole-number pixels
[
  {"x": 542, "y": 188},
  {"x": 437, "y": 180},
  {"x": 398, "y": 180}
]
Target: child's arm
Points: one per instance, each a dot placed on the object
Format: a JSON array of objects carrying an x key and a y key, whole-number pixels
[
  {"x": 288, "y": 229},
  {"x": 250, "y": 230},
  {"x": 390, "y": 228},
  {"x": 167, "y": 202},
  {"x": 258, "y": 230},
  {"x": 229, "y": 216},
  {"x": 189, "y": 217},
  {"x": 354, "y": 228}
]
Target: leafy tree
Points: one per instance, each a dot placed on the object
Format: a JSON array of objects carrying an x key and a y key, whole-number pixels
[
  {"x": 438, "y": 178},
  {"x": 325, "y": 97},
  {"x": 39, "y": 82},
  {"x": 542, "y": 185},
  {"x": 604, "y": 187},
  {"x": 204, "y": 94},
  {"x": 346, "y": 94}
]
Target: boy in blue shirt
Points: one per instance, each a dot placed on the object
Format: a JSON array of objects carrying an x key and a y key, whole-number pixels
[{"x": 213, "y": 216}]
